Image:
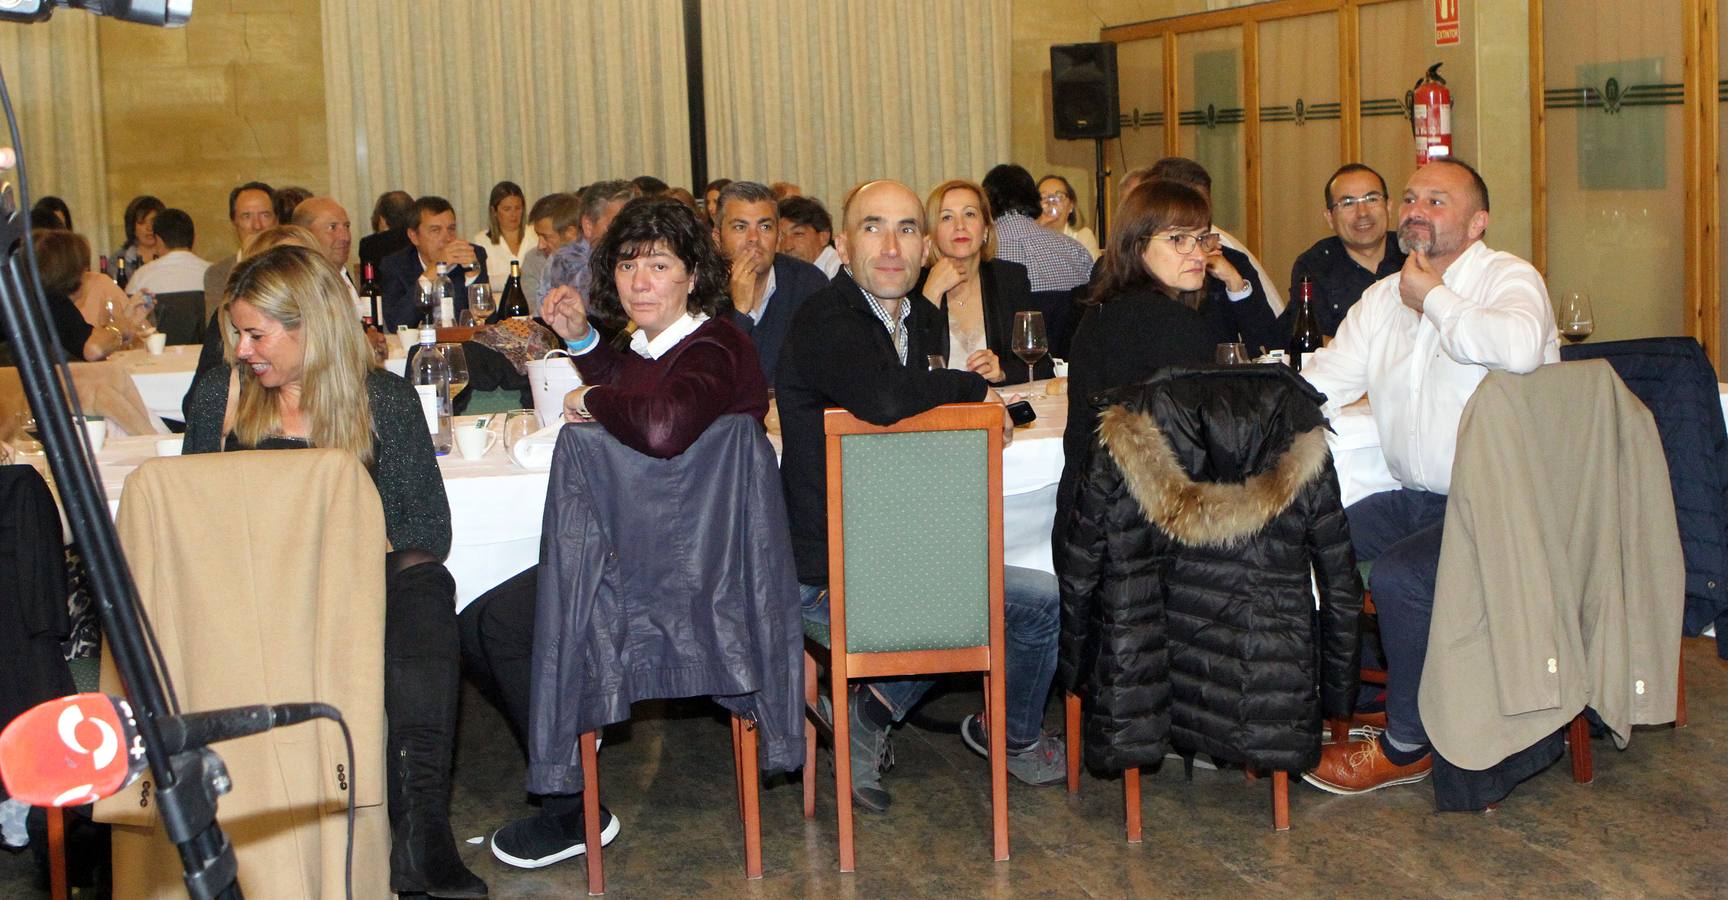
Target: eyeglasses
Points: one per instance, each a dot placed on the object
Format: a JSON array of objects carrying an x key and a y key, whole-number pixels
[
  {"x": 1053, "y": 199},
  {"x": 1372, "y": 198},
  {"x": 1183, "y": 242}
]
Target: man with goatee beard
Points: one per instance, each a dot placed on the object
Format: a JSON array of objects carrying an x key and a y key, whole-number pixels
[{"x": 1418, "y": 343}]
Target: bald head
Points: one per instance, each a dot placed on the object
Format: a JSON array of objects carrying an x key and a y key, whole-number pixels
[
  {"x": 328, "y": 222},
  {"x": 882, "y": 238}
]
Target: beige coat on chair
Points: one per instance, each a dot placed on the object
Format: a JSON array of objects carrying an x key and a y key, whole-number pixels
[
  {"x": 1561, "y": 583},
  {"x": 263, "y": 575}
]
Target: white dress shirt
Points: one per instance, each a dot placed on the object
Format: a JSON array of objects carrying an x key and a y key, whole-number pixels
[
  {"x": 174, "y": 272},
  {"x": 828, "y": 261},
  {"x": 1491, "y": 311},
  {"x": 767, "y": 295},
  {"x": 677, "y": 331},
  {"x": 499, "y": 255}
]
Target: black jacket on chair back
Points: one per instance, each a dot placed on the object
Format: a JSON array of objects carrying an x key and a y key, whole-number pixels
[{"x": 1188, "y": 615}]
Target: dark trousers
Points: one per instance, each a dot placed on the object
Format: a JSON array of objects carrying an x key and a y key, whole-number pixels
[
  {"x": 498, "y": 653},
  {"x": 1399, "y": 532}
]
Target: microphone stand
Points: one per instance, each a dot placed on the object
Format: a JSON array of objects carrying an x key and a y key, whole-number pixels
[{"x": 188, "y": 783}]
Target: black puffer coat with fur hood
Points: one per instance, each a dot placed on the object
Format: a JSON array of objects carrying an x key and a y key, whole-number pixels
[{"x": 1188, "y": 617}]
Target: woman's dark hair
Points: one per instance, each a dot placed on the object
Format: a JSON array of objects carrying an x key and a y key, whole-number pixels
[
  {"x": 62, "y": 258},
  {"x": 136, "y": 211},
  {"x": 502, "y": 191},
  {"x": 640, "y": 225},
  {"x": 1151, "y": 207},
  {"x": 58, "y": 207}
]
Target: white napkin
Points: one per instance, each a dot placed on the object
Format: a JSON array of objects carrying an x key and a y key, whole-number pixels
[{"x": 535, "y": 450}]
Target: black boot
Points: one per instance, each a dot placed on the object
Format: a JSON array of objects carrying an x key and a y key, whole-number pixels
[{"x": 420, "y": 691}]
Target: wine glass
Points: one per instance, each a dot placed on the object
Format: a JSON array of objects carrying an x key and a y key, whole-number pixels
[
  {"x": 1030, "y": 343},
  {"x": 425, "y": 301},
  {"x": 518, "y": 424},
  {"x": 1230, "y": 354},
  {"x": 1574, "y": 317},
  {"x": 936, "y": 361},
  {"x": 118, "y": 319},
  {"x": 458, "y": 363},
  {"x": 481, "y": 302}
]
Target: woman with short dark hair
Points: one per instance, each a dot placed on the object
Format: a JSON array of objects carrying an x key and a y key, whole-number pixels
[
  {"x": 141, "y": 245},
  {"x": 1144, "y": 311}
]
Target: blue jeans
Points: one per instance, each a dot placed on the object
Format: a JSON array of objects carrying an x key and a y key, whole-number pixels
[
  {"x": 1399, "y": 531},
  {"x": 1032, "y": 612}
]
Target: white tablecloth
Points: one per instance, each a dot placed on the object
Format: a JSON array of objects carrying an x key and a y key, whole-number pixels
[{"x": 495, "y": 506}]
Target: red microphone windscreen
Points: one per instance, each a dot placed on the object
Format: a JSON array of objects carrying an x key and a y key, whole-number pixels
[{"x": 71, "y": 751}]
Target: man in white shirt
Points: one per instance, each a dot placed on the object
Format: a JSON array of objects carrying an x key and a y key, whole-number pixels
[
  {"x": 1417, "y": 344},
  {"x": 179, "y": 269},
  {"x": 807, "y": 232}
]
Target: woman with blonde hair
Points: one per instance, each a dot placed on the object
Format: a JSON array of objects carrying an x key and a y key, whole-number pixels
[
  {"x": 300, "y": 374},
  {"x": 217, "y": 328},
  {"x": 977, "y": 294},
  {"x": 506, "y": 230}
]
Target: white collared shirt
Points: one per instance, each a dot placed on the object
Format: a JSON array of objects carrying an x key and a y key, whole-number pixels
[
  {"x": 767, "y": 294},
  {"x": 174, "y": 272},
  {"x": 829, "y": 261},
  {"x": 1491, "y": 311},
  {"x": 675, "y": 332}
]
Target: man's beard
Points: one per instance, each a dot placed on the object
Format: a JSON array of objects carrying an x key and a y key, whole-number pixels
[{"x": 1416, "y": 238}]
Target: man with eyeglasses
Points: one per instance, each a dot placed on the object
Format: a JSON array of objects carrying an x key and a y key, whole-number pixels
[{"x": 1360, "y": 251}]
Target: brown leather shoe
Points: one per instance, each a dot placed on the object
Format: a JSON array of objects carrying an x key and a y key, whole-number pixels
[
  {"x": 1357, "y": 767},
  {"x": 1371, "y": 719}
]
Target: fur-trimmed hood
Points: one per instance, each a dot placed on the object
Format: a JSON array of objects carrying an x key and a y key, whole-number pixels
[{"x": 1205, "y": 513}]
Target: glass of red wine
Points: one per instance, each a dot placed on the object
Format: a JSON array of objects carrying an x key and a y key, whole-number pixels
[
  {"x": 1030, "y": 344},
  {"x": 1575, "y": 318}
]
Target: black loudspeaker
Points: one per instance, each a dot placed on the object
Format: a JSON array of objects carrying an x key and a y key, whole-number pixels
[{"x": 1083, "y": 101}]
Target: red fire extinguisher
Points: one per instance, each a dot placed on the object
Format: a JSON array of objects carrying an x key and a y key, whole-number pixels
[{"x": 1431, "y": 116}]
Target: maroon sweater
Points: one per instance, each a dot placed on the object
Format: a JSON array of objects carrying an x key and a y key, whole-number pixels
[{"x": 661, "y": 406}]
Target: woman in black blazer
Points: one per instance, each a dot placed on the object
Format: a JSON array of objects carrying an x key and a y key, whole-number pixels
[{"x": 977, "y": 296}]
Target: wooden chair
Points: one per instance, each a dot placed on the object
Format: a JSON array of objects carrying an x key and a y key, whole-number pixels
[
  {"x": 915, "y": 577},
  {"x": 744, "y": 767},
  {"x": 1131, "y": 778}
]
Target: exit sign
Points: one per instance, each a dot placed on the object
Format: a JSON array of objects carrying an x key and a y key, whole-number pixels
[{"x": 1445, "y": 22}]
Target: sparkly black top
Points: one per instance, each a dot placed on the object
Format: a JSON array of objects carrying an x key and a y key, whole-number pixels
[{"x": 404, "y": 466}]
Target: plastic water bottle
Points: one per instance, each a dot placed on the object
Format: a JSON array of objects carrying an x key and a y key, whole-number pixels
[
  {"x": 12, "y": 831},
  {"x": 431, "y": 380}
]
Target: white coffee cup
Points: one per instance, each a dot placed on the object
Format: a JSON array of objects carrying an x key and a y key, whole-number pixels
[
  {"x": 168, "y": 446},
  {"x": 155, "y": 343},
  {"x": 96, "y": 428},
  {"x": 474, "y": 442}
]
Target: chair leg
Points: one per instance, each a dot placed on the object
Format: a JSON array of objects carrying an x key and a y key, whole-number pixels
[
  {"x": 843, "y": 770},
  {"x": 738, "y": 763},
  {"x": 1280, "y": 801},
  {"x": 57, "y": 880},
  {"x": 591, "y": 814},
  {"x": 749, "y": 790},
  {"x": 1071, "y": 724},
  {"x": 811, "y": 697},
  {"x": 1131, "y": 803},
  {"x": 997, "y": 709},
  {"x": 1583, "y": 766}
]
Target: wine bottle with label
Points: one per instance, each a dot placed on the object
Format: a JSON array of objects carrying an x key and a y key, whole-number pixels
[
  {"x": 514, "y": 303},
  {"x": 1306, "y": 336},
  {"x": 371, "y": 297},
  {"x": 445, "y": 292}
]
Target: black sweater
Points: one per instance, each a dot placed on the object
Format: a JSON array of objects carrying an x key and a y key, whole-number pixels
[
  {"x": 839, "y": 354},
  {"x": 404, "y": 465},
  {"x": 1123, "y": 341}
]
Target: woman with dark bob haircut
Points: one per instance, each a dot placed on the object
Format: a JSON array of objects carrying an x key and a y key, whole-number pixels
[
  {"x": 1147, "y": 309},
  {"x": 686, "y": 365}
]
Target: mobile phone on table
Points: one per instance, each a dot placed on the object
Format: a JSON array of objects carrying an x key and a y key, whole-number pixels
[{"x": 1022, "y": 413}]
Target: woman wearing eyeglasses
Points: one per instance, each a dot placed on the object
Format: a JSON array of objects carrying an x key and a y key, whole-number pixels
[
  {"x": 1057, "y": 211},
  {"x": 1147, "y": 310}
]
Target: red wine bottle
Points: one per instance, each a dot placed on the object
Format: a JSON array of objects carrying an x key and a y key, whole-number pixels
[{"x": 1306, "y": 336}]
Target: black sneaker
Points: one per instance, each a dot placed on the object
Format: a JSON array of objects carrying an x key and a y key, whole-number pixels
[
  {"x": 1045, "y": 762},
  {"x": 872, "y": 754},
  {"x": 539, "y": 841}
]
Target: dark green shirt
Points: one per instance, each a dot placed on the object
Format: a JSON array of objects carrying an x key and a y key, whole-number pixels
[{"x": 404, "y": 466}]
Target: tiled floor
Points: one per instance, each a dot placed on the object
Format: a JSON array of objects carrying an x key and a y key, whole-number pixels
[{"x": 1655, "y": 822}]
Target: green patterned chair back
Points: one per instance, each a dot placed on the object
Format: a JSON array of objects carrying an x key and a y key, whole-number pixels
[{"x": 917, "y": 540}]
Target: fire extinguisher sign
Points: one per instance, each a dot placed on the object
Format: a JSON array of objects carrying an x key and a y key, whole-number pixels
[{"x": 1446, "y": 22}]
